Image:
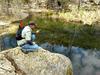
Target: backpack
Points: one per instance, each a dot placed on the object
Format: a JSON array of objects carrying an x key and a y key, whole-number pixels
[{"x": 19, "y": 31}]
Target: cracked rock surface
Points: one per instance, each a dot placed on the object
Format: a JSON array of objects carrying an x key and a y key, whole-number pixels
[{"x": 41, "y": 62}]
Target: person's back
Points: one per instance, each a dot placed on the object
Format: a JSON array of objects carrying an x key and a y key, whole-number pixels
[{"x": 25, "y": 34}]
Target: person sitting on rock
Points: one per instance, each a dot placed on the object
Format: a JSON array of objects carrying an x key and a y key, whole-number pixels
[{"x": 25, "y": 38}]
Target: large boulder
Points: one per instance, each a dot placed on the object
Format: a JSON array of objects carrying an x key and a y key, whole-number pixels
[{"x": 41, "y": 62}]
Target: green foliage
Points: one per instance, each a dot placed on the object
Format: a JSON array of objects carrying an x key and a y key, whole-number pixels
[
  {"x": 57, "y": 31},
  {"x": 88, "y": 38},
  {"x": 50, "y": 29}
]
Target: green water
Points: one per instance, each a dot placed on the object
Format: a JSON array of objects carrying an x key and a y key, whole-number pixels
[{"x": 57, "y": 31}]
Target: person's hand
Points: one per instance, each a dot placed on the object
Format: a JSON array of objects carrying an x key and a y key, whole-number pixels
[{"x": 37, "y": 31}]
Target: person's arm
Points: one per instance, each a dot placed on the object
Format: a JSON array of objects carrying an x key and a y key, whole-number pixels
[
  {"x": 28, "y": 38},
  {"x": 37, "y": 31}
]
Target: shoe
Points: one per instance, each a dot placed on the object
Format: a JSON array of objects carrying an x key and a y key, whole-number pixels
[{"x": 24, "y": 51}]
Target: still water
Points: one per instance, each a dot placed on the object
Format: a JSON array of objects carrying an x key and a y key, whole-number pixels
[{"x": 84, "y": 61}]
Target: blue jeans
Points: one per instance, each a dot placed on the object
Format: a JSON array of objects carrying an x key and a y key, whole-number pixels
[
  {"x": 30, "y": 48},
  {"x": 33, "y": 37}
]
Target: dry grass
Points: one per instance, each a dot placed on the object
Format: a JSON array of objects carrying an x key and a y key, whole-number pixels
[
  {"x": 12, "y": 29},
  {"x": 87, "y": 17}
]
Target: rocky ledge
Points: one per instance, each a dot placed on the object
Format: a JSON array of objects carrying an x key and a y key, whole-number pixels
[{"x": 41, "y": 62}]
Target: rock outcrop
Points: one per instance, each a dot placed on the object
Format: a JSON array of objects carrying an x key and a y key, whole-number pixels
[
  {"x": 85, "y": 61},
  {"x": 41, "y": 62}
]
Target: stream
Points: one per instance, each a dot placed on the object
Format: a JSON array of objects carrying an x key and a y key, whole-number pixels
[{"x": 85, "y": 61}]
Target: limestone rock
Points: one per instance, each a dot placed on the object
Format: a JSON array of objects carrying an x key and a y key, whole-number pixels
[{"x": 41, "y": 62}]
